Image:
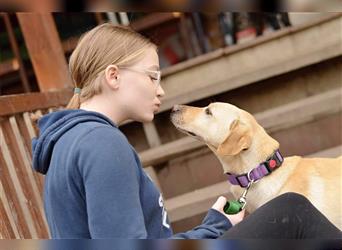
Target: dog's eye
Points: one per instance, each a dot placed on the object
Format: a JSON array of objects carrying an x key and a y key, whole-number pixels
[{"x": 208, "y": 112}]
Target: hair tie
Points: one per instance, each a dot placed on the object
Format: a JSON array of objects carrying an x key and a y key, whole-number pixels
[{"x": 77, "y": 90}]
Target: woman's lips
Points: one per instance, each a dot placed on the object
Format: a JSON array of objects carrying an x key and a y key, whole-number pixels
[{"x": 156, "y": 107}]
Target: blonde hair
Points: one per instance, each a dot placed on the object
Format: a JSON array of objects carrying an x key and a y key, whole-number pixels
[{"x": 101, "y": 46}]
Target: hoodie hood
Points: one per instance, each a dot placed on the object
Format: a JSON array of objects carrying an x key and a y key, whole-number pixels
[{"x": 52, "y": 126}]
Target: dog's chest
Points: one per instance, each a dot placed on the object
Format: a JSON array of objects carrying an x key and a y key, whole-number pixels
[{"x": 256, "y": 196}]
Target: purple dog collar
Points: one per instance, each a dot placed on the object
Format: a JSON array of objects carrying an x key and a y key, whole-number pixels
[{"x": 264, "y": 168}]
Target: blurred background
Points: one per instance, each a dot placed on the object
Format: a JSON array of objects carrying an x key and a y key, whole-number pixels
[
  {"x": 283, "y": 67},
  {"x": 170, "y": 5}
]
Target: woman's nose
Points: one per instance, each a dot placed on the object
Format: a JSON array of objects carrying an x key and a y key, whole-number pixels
[{"x": 160, "y": 91}]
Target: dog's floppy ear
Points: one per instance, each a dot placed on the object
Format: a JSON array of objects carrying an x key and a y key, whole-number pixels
[{"x": 238, "y": 139}]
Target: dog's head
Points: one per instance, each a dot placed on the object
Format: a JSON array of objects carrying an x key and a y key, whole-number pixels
[
  {"x": 219, "y": 125},
  {"x": 228, "y": 130}
]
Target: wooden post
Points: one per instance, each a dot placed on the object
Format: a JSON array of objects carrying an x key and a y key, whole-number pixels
[
  {"x": 153, "y": 140},
  {"x": 45, "y": 49},
  {"x": 15, "y": 48},
  {"x": 151, "y": 133}
]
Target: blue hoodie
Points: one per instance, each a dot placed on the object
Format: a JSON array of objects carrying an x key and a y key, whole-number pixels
[{"x": 95, "y": 186}]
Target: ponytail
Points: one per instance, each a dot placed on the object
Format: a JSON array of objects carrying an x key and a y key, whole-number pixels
[{"x": 75, "y": 101}]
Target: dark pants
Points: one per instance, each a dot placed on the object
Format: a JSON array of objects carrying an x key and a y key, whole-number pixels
[{"x": 288, "y": 216}]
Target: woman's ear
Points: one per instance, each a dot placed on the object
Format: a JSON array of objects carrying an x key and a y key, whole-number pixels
[
  {"x": 112, "y": 76},
  {"x": 239, "y": 139}
]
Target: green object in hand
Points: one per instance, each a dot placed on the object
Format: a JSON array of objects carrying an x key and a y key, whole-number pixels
[{"x": 232, "y": 207}]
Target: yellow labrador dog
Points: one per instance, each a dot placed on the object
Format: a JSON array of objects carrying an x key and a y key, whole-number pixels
[{"x": 247, "y": 153}]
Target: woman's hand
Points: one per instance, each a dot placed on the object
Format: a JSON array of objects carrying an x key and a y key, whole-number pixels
[{"x": 233, "y": 218}]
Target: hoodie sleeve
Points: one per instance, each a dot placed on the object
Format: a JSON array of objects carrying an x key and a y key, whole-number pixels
[
  {"x": 213, "y": 226},
  {"x": 111, "y": 183}
]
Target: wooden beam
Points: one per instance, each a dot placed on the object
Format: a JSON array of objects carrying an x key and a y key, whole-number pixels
[
  {"x": 14, "y": 104},
  {"x": 15, "y": 48},
  {"x": 200, "y": 200},
  {"x": 330, "y": 153},
  {"x": 153, "y": 175},
  {"x": 153, "y": 140},
  {"x": 301, "y": 111},
  {"x": 169, "y": 150},
  {"x": 151, "y": 134},
  {"x": 45, "y": 50},
  {"x": 154, "y": 19},
  {"x": 272, "y": 120}
]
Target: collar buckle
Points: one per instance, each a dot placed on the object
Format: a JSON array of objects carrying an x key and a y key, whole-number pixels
[
  {"x": 274, "y": 161},
  {"x": 250, "y": 179}
]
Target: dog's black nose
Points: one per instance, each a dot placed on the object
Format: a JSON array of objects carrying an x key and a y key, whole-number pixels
[{"x": 176, "y": 108}]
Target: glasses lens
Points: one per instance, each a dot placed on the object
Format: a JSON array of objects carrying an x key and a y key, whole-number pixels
[{"x": 155, "y": 76}]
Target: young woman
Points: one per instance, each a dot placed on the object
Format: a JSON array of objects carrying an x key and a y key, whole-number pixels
[{"x": 95, "y": 186}]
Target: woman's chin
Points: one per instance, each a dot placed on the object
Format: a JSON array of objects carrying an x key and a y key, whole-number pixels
[{"x": 146, "y": 118}]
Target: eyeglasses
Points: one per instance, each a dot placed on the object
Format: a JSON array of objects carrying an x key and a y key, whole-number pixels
[{"x": 154, "y": 75}]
